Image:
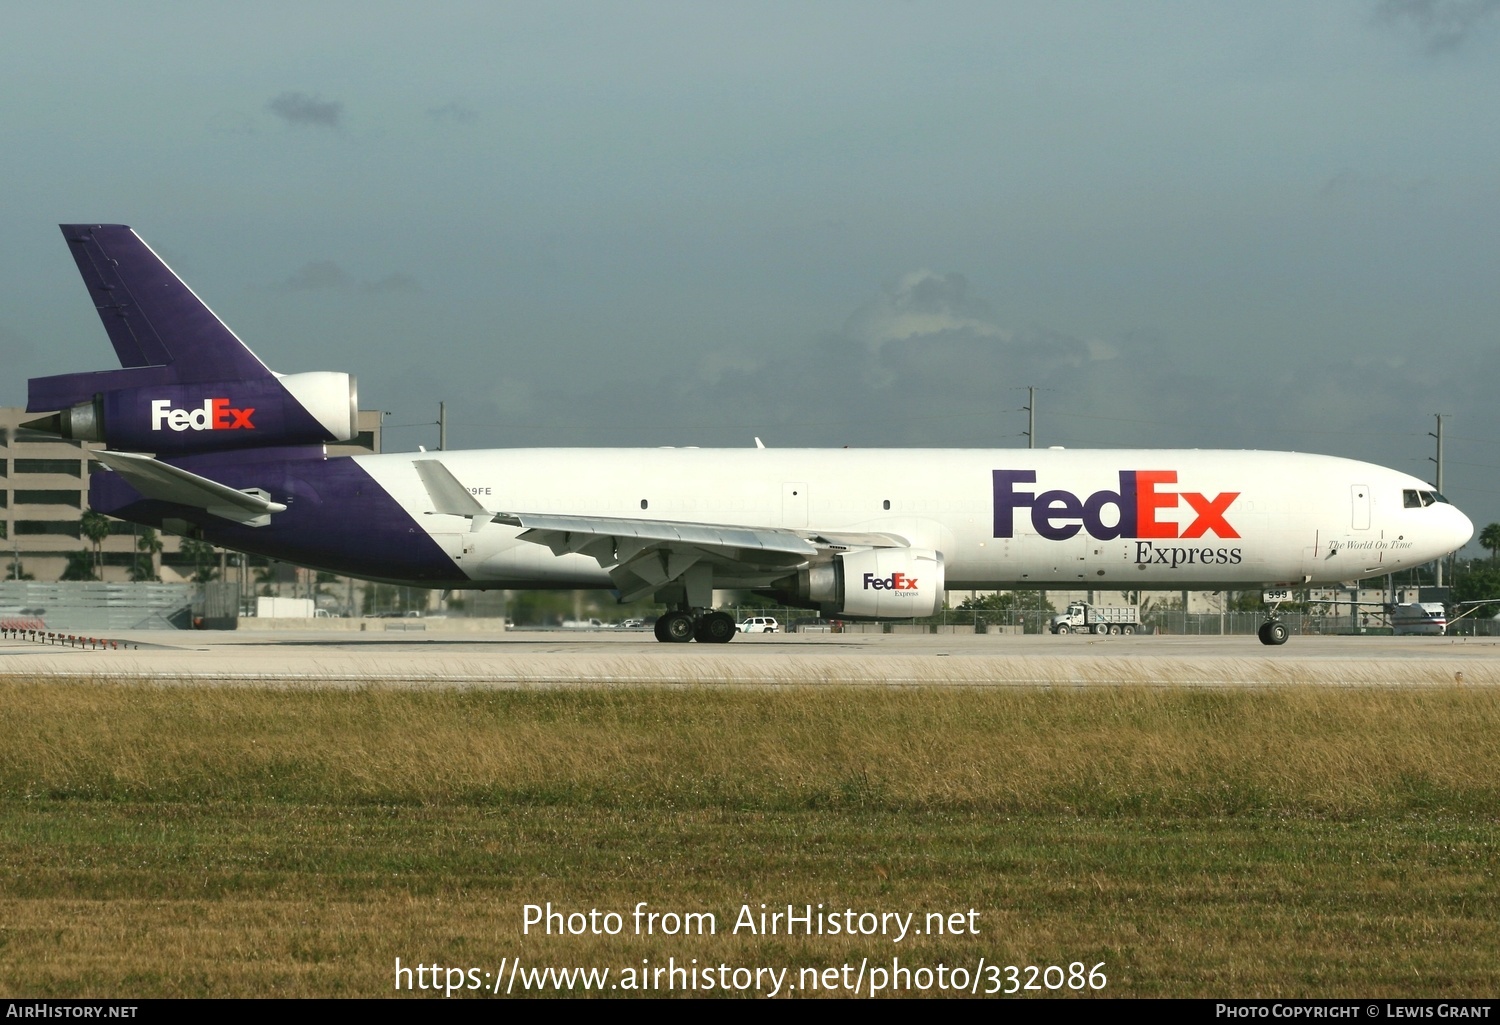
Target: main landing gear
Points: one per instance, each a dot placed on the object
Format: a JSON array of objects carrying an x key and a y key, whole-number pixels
[{"x": 705, "y": 627}]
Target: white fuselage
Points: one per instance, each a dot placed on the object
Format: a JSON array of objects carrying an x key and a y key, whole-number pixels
[{"x": 1119, "y": 519}]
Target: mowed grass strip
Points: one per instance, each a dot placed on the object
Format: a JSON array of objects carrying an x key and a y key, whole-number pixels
[{"x": 242, "y": 841}]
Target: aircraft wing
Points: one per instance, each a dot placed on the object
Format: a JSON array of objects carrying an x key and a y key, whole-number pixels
[
  {"x": 1474, "y": 604},
  {"x": 564, "y": 533},
  {"x": 643, "y": 555},
  {"x": 156, "y": 479},
  {"x": 550, "y": 529}
]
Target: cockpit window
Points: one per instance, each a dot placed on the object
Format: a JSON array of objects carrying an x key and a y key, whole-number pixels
[{"x": 1412, "y": 498}]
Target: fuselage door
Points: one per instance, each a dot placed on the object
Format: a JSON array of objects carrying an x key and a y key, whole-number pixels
[{"x": 1359, "y": 495}]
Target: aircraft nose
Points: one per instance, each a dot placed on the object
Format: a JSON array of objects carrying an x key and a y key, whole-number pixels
[{"x": 1463, "y": 529}]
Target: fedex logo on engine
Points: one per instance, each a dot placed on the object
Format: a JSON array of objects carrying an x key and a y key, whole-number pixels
[
  {"x": 898, "y": 582},
  {"x": 213, "y": 415},
  {"x": 1058, "y": 515}
]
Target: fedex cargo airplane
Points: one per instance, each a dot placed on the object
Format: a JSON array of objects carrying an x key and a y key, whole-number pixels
[{"x": 203, "y": 438}]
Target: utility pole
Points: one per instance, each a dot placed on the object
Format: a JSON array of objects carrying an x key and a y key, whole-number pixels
[
  {"x": 442, "y": 426},
  {"x": 1031, "y": 416},
  {"x": 1438, "y": 579}
]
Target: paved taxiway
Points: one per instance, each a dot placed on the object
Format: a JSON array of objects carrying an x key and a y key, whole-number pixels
[{"x": 520, "y": 659}]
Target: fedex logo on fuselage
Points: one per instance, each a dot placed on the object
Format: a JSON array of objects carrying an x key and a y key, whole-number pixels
[
  {"x": 213, "y": 415},
  {"x": 1058, "y": 515}
]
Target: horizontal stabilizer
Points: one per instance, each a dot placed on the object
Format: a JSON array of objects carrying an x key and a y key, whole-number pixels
[{"x": 167, "y": 483}]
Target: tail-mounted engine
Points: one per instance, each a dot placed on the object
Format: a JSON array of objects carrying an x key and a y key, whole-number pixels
[
  {"x": 187, "y": 384},
  {"x": 177, "y": 419}
]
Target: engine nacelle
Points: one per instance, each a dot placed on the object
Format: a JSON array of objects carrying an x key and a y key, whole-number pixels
[
  {"x": 879, "y": 583},
  {"x": 298, "y": 409}
]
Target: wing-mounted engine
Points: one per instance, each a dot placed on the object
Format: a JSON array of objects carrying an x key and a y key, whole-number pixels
[{"x": 876, "y": 583}]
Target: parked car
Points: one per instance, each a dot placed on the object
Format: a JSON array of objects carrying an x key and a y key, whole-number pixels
[{"x": 759, "y": 625}]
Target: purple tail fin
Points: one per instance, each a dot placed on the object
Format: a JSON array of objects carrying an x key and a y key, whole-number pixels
[
  {"x": 149, "y": 313},
  {"x": 188, "y": 384}
]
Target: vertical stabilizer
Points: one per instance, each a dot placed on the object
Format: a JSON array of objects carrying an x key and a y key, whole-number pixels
[
  {"x": 150, "y": 314},
  {"x": 187, "y": 384}
]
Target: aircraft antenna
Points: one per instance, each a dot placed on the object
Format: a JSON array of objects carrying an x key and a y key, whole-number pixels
[{"x": 1031, "y": 417}]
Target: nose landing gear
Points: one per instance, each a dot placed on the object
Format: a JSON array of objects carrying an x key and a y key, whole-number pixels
[{"x": 1274, "y": 632}]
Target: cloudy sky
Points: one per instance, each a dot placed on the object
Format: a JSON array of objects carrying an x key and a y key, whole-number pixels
[{"x": 1271, "y": 225}]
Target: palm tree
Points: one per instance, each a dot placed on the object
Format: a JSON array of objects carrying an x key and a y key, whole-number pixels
[
  {"x": 80, "y": 566},
  {"x": 202, "y": 554},
  {"x": 150, "y": 546},
  {"x": 1489, "y": 538},
  {"x": 95, "y": 527}
]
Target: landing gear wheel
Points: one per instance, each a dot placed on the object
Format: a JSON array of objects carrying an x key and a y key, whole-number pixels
[
  {"x": 1273, "y": 633},
  {"x": 676, "y": 627},
  {"x": 715, "y": 628}
]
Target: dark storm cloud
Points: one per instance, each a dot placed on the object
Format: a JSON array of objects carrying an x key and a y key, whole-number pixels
[
  {"x": 316, "y": 276},
  {"x": 397, "y": 282},
  {"x": 452, "y": 113},
  {"x": 924, "y": 362},
  {"x": 921, "y": 304},
  {"x": 301, "y": 109},
  {"x": 1441, "y": 25}
]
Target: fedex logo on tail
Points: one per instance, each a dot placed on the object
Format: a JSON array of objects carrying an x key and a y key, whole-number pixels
[
  {"x": 1131, "y": 512},
  {"x": 213, "y": 415}
]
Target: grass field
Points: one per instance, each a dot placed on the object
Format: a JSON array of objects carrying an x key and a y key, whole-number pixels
[{"x": 163, "y": 841}]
